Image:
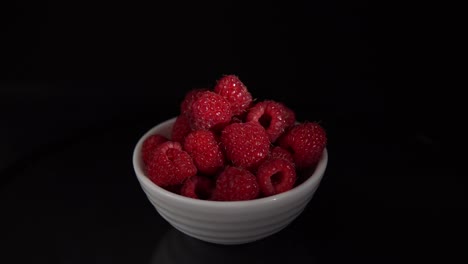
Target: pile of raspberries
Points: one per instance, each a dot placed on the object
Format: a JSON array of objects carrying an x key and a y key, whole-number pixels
[{"x": 225, "y": 146}]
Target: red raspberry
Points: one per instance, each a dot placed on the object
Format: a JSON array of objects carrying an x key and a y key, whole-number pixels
[
  {"x": 149, "y": 145},
  {"x": 180, "y": 129},
  {"x": 210, "y": 110},
  {"x": 279, "y": 152},
  {"x": 236, "y": 184},
  {"x": 205, "y": 151},
  {"x": 190, "y": 96},
  {"x": 273, "y": 116},
  {"x": 170, "y": 165},
  {"x": 198, "y": 187},
  {"x": 306, "y": 142},
  {"x": 235, "y": 92},
  {"x": 246, "y": 144},
  {"x": 275, "y": 176}
]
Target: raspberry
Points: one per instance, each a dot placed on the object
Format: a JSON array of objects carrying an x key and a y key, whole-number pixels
[
  {"x": 210, "y": 110},
  {"x": 192, "y": 95},
  {"x": 273, "y": 116},
  {"x": 246, "y": 144},
  {"x": 224, "y": 146},
  {"x": 279, "y": 152},
  {"x": 235, "y": 92},
  {"x": 205, "y": 151},
  {"x": 276, "y": 176},
  {"x": 170, "y": 165},
  {"x": 198, "y": 187},
  {"x": 180, "y": 129},
  {"x": 306, "y": 142},
  {"x": 149, "y": 145},
  {"x": 236, "y": 184}
]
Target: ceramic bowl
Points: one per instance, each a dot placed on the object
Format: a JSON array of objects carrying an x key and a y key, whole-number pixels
[{"x": 226, "y": 223}]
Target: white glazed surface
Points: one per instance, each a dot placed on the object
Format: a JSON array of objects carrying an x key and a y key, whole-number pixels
[{"x": 226, "y": 222}]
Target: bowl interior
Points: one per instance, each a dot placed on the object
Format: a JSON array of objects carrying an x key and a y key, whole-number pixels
[{"x": 164, "y": 129}]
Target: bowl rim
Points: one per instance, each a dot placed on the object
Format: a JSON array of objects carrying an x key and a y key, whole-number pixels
[{"x": 304, "y": 187}]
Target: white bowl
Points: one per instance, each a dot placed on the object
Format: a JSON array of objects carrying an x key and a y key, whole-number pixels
[{"x": 226, "y": 223}]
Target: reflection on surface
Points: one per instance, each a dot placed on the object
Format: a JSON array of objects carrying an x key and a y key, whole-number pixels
[{"x": 284, "y": 247}]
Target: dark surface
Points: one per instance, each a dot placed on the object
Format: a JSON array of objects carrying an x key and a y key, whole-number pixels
[{"x": 81, "y": 84}]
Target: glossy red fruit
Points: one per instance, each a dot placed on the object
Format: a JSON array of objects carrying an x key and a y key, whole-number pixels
[
  {"x": 210, "y": 111},
  {"x": 306, "y": 142},
  {"x": 190, "y": 97},
  {"x": 170, "y": 165},
  {"x": 205, "y": 151},
  {"x": 246, "y": 144},
  {"x": 275, "y": 117},
  {"x": 235, "y": 92},
  {"x": 236, "y": 184},
  {"x": 276, "y": 176}
]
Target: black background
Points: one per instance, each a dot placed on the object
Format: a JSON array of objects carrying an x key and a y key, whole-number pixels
[{"x": 82, "y": 82}]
